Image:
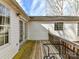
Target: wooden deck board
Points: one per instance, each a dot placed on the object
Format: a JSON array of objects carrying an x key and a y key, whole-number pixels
[
  {"x": 38, "y": 51},
  {"x": 41, "y": 51}
]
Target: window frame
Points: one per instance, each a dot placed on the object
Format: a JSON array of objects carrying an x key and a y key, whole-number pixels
[
  {"x": 6, "y": 25},
  {"x": 58, "y": 27}
]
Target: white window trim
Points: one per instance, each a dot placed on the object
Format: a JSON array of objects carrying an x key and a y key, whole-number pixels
[{"x": 5, "y": 44}]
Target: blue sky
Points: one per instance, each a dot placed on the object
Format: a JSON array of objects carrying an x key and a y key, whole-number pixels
[
  {"x": 33, "y": 7},
  {"x": 26, "y": 4}
]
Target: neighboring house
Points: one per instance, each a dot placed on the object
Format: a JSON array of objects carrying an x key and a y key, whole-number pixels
[{"x": 13, "y": 25}]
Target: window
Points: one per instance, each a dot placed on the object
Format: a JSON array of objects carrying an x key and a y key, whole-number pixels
[
  {"x": 21, "y": 31},
  {"x": 4, "y": 25},
  {"x": 78, "y": 30},
  {"x": 25, "y": 30},
  {"x": 58, "y": 26}
]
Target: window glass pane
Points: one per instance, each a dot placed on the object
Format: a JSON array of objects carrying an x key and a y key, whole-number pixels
[
  {"x": 78, "y": 29},
  {"x": 3, "y": 11},
  {"x": 3, "y": 20},
  {"x": 1, "y": 39},
  {"x": 21, "y": 31},
  {"x": 0, "y": 20},
  {"x": 1, "y": 29},
  {"x": 1, "y": 7},
  {"x": 7, "y": 16},
  {"x": 58, "y": 26},
  {"x": 6, "y": 37},
  {"x": 25, "y": 30},
  {"x": 7, "y": 20}
]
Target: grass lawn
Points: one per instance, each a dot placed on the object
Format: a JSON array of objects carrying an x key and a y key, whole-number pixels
[{"x": 25, "y": 50}]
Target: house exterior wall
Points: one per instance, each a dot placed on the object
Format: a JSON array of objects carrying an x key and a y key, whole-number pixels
[
  {"x": 69, "y": 32},
  {"x": 7, "y": 51},
  {"x": 36, "y": 31}
]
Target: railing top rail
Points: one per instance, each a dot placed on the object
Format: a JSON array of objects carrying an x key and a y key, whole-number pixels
[{"x": 64, "y": 40}]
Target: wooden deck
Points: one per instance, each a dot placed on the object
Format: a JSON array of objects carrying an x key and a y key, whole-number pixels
[{"x": 40, "y": 51}]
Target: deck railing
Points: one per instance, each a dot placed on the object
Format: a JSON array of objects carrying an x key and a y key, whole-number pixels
[{"x": 67, "y": 49}]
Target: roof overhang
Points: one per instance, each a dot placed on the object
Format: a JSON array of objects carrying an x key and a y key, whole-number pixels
[
  {"x": 14, "y": 4},
  {"x": 54, "y": 18}
]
